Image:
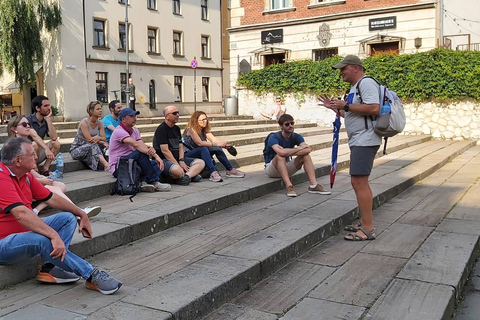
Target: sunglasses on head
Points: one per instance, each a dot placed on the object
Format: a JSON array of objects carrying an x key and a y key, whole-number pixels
[
  {"x": 24, "y": 124},
  {"x": 288, "y": 124}
]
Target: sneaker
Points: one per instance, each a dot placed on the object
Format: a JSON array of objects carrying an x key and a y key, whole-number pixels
[
  {"x": 291, "y": 191},
  {"x": 55, "y": 275},
  {"x": 215, "y": 177},
  {"x": 184, "y": 181},
  {"x": 145, "y": 187},
  {"x": 234, "y": 173},
  {"x": 197, "y": 178},
  {"x": 318, "y": 189},
  {"x": 101, "y": 281},
  {"x": 162, "y": 186},
  {"x": 92, "y": 211}
]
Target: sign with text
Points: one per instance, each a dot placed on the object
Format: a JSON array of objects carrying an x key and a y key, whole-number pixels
[
  {"x": 382, "y": 23},
  {"x": 272, "y": 36}
]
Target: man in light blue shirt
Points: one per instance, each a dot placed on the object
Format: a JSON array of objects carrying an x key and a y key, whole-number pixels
[{"x": 111, "y": 121}]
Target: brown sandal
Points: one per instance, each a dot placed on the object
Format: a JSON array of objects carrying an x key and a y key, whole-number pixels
[
  {"x": 353, "y": 227},
  {"x": 355, "y": 237}
]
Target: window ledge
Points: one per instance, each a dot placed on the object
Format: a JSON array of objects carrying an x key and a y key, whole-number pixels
[
  {"x": 328, "y": 3},
  {"x": 123, "y": 50},
  {"x": 152, "y": 9},
  {"x": 154, "y": 53},
  {"x": 101, "y": 48},
  {"x": 205, "y": 19},
  {"x": 178, "y": 55},
  {"x": 206, "y": 58},
  {"x": 177, "y": 14},
  {"x": 280, "y": 10}
]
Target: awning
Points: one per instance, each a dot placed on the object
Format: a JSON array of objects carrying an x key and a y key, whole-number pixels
[
  {"x": 269, "y": 50},
  {"x": 380, "y": 38},
  {"x": 9, "y": 88}
]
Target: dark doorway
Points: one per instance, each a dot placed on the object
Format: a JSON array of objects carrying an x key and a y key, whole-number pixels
[
  {"x": 33, "y": 94},
  {"x": 274, "y": 59},
  {"x": 378, "y": 48},
  {"x": 151, "y": 93}
]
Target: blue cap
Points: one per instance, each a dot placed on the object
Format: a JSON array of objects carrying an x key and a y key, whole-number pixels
[{"x": 127, "y": 112}]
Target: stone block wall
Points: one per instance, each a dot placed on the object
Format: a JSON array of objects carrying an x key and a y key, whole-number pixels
[{"x": 456, "y": 121}]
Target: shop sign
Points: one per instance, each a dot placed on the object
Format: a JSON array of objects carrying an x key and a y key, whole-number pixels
[
  {"x": 272, "y": 36},
  {"x": 382, "y": 23}
]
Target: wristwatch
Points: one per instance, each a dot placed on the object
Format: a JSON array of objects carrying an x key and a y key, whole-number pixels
[
  {"x": 347, "y": 107},
  {"x": 181, "y": 159}
]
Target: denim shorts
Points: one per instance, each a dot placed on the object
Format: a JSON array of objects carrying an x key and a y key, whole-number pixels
[
  {"x": 361, "y": 160},
  {"x": 169, "y": 164}
]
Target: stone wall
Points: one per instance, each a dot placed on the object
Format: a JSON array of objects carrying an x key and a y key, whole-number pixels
[{"x": 456, "y": 121}]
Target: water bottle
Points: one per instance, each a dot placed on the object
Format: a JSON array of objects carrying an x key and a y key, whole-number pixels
[
  {"x": 54, "y": 175},
  {"x": 385, "y": 109},
  {"x": 59, "y": 163}
]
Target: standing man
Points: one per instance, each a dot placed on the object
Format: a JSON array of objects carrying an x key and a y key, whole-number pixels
[
  {"x": 111, "y": 121},
  {"x": 167, "y": 141},
  {"x": 132, "y": 94},
  {"x": 41, "y": 122},
  {"x": 362, "y": 103},
  {"x": 126, "y": 141},
  {"x": 24, "y": 235},
  {"x": 281, "y": 146}
]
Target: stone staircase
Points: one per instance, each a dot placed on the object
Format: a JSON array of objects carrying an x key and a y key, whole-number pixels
[{"x": 184, "y": 253}]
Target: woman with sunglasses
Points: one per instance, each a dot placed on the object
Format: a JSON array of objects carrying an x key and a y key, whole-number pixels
[
  {"x": 90, "y": 141},
  {"x": 199, "y": 142},
  {"x": 19, "y": 127}
]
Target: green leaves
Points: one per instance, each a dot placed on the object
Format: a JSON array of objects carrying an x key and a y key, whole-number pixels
[
  {"x": 439, "y": 75},
  {"x": 21, "y": 24}
]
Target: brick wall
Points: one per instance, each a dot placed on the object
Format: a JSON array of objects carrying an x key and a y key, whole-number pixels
[{"x": 254, "y": 8}]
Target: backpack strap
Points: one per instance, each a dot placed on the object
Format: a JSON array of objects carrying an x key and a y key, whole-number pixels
[{"x": 361, "y": 100}]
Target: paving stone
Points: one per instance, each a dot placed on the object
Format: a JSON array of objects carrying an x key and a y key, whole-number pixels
[
  {"x": 316, "y": 309},
  {"x": 274, "y": 246},
  {"x": 81, "y": 300},
  {"x": 41, "y": 312},
  {"x": 413, "y": 300},
  {"x": 459, "y": 226},
  {"x": 196, "y": 290},
  {"x": 121, "y": 310},
  {"x": 235, "y": 312},
  {"x": 443, "y": 199},
  {"x": 470, "y": 307},
  {"x": 332, "y": 209},
  {"x": 348, "y": 285},
  {"x": 283, "y": 289},
  {"x": 468, "y": 207},
  {"x": 444, "y": 258},
  {"x": 422, "y": 218},
  {"x": 398, "y": 240}
]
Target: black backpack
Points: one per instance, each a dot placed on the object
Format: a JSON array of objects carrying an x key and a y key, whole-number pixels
[
  {"x": 266, "y": 142},
  {"x": 128, "y": 178}
]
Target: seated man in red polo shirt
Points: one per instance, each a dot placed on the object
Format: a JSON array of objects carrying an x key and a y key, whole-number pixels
[{"x": 24, "y": 235}]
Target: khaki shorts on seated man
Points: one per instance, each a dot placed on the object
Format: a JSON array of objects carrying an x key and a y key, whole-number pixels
[{"x": 281, "y": 146}]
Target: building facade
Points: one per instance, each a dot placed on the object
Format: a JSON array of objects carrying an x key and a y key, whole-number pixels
[
  {"x": 85, "y": 59},
  {"x": 275, "y": 31}
]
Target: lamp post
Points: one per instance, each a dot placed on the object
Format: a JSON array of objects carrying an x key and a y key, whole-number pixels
[{"x": 127, "y": 89}]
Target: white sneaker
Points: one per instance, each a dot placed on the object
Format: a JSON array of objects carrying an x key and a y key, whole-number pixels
[
  {"x": 162, "y": 186},
  {"x": 92, "y": 211}
]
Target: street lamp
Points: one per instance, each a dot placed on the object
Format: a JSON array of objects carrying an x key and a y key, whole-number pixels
[
  {"x": 418, "y": 42},
  {"x": 127, "y": 89}
]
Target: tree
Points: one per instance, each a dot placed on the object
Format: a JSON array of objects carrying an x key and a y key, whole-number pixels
[{"x": 21, "y": 25}]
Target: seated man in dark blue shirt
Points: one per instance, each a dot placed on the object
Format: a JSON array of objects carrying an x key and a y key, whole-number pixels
[{"x": 281, "y": 146}]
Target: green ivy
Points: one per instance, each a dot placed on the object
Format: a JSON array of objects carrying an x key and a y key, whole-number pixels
[{"x": 436, "y": 75}]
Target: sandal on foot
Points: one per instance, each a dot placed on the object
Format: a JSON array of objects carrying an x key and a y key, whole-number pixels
[
  {"x": 353, "y": 227},
  {"x": 355, "y": 237}
]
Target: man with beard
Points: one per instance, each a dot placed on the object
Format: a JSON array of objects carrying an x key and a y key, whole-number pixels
[
  {"x": 41, "y": 121},
  {"x": 111, "y": 121}
]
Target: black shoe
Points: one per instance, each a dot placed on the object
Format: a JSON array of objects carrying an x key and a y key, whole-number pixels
[{"x": 184, "y": 181}]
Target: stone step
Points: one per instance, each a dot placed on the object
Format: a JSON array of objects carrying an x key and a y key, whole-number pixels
[
  {"x": 123, "y": 221},
  {"x": 230, "y": 245},
  {"x": 415, "y": 269}
]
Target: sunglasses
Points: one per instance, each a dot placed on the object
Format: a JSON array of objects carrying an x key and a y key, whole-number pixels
[
  {"x": 203, "y": 120},
  {"x": 288, "y": 124},
  {"x": 24, "y": 124},
  {"x": 176, "y": 113}
]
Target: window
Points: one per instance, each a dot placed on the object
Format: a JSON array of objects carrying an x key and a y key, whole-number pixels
[
  {"x": 205, "y": 83},
  {"x": 178, "y": 88},
  {"x": 152, "y": 4},
  {"x": 204, "y": 8},
  {"x": 176, "y": 6},
  {"x": 123, "y": 86},
  {"x": 99, "y": 33},
  {"x": 205, "y": 47},
  {"x": 152, "y": 40},
  {"x": 177, "y": 43},
  {"x": 122, "y": 36},
  {"x": 322, "y": 54},
  {"x": 279, "y": 4},
  {"x": 121, "y": 1},
  {"x": 102, "y": 87}
]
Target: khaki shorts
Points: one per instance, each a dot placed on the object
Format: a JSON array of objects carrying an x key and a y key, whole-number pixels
[
  {"x": 42, "y": 156},
  {"x": 272, "y": 172}
]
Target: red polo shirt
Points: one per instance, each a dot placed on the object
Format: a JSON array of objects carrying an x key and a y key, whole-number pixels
[{"x": 17, "y": 192}]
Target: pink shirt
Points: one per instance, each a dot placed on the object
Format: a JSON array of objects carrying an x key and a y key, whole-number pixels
[{"x": 117, "y": 148}]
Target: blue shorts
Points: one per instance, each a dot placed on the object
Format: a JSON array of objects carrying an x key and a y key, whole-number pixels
[
  {"x": 169, "y": 165},
  {"x": 361, "y": 160}
]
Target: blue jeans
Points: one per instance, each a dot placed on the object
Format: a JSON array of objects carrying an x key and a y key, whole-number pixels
[
  {"x": 21, "y": 246},
  {"x": 218, "y": 151},
  {"x": 204, "y": 154},
  {"x": 149, "y": 169}
]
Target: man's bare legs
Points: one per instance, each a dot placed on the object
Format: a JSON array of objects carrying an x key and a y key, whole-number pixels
[
  {"x": 196, "y": 167},
  {"x": 365, "y": 202},
  {"x": 280, "y": 163}
]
